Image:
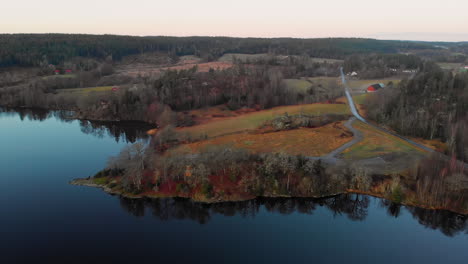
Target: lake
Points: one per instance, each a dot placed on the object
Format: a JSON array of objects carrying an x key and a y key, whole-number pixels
[{"x": 45, "y": 219}]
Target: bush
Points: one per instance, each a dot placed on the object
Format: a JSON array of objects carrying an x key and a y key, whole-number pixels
[
  {"x": 207, "y": 189},
  {"x": 182, "y": 188},
  {"x": 397, "y": 195}
]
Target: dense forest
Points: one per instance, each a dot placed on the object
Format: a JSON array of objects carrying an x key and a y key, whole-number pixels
[
  {"x": 381, "y": 65},
  {"x": 433, "y": 104},
  {"x": 40, "y": 49}
]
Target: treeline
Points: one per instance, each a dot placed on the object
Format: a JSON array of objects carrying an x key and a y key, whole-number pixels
[
  {"x": 41, "y": 49},
  {"x": 381, "y": 65},
  {"x": 158, "y": 100},
  {"x": 220, "y": 173},
  {"x": 433, "y": 104}
]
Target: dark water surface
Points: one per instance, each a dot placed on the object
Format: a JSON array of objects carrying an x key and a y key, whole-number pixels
[{"x": 43, "y": 219}]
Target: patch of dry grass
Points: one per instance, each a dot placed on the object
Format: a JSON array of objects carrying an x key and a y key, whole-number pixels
[
  {"x": 253, "y": 120},
  {"x": 376, "y": 143},
  {"x": 306, "y": 141}
]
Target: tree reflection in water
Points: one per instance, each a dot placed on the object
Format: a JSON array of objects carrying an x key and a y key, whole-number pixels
[
  {"x": 354, "y": 206},
  {"x": 126, "y": 131}
]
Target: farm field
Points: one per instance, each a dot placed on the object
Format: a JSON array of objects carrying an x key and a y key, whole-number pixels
[
  {"x": 376, "y": 143},
  {"x": 303, "y": 141},
  {"x": 253, "y": 120}
]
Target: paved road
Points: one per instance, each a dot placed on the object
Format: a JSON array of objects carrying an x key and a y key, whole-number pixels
[{"x": 354, "y": 111}]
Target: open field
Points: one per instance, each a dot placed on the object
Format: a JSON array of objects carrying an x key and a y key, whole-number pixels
[
  {"x": 376, "y": 143},
  {"x": 85, "y": 90},
  {"x": 299, "y": 85},
  {"x": 303, "y": 84},
  {"x": 306, "y": 141},
  {"x": 253, "y": 120}
]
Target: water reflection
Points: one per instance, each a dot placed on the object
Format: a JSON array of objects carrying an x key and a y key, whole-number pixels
[
  {"x": 354, "y": 206},
  {"x": 127, "y": 131}
]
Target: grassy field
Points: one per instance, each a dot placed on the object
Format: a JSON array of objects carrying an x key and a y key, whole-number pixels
[
  {"x": 253, "y": 120},
  {"x": 376, "y": 143},
  {"x": 81, "y": 91},
  {"x": 298, "y": 85},
  {"x": 303, "y": 84},
  {"x": 306, "y": 141}
]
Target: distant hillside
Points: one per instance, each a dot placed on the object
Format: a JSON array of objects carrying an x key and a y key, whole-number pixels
[{"x": 34, "y": 49}]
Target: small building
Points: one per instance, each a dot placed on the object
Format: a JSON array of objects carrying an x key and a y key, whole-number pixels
[
  {"x": 374, "y": 87},
  {"x": 466, "y": 67},
  {"x": 68, "y": 71},
  {"x": 115, "y": 88},
  {"x": 57, "y": 71}
]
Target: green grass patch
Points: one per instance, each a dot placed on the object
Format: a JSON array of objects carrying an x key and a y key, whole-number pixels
[{"x": 101, "y": 181}]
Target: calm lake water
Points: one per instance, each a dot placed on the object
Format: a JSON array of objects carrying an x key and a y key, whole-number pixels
[{"x": 45, "y": 219}]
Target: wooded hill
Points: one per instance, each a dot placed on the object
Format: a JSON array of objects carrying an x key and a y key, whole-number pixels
[{"x": 40, "y": 49}]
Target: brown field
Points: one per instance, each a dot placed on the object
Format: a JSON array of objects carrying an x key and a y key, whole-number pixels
[
  {"x": 252, "y": 121},
  {"x": 306, "y": 141}
]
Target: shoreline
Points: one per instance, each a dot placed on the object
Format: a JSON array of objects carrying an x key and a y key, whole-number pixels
[{"x": 89, "y": 183}]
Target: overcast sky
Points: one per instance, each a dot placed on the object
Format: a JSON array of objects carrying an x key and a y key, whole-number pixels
[{"x": 445, "y": 20}]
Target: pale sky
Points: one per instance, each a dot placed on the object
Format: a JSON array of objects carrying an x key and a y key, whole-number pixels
[{"x": 443, "y": 20}]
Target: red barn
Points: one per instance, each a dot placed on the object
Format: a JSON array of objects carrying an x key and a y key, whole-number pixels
[
  {"x": 68, "y": 71},
  {"x": 115, "y": 88},
  {"x": 373, "y": 88}
]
